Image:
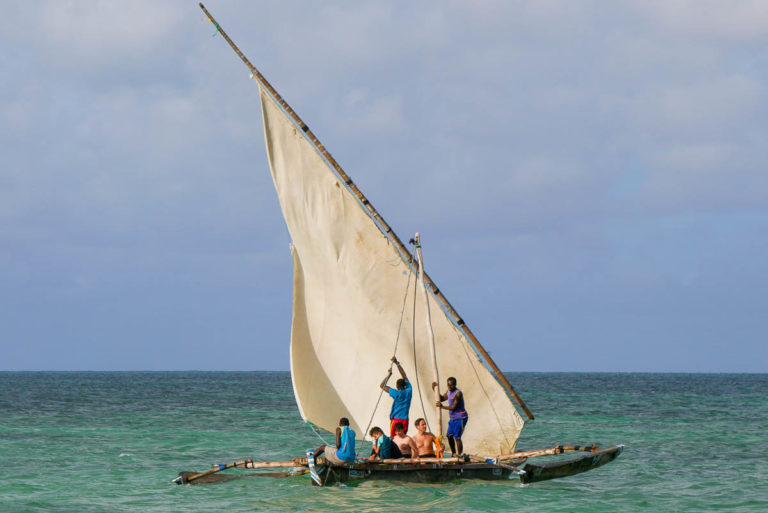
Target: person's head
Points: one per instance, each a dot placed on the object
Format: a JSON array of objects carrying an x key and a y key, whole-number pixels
[
  {"x": 421, "y": 425},
  {"x": 400, "y": 384},
  {"x": 399, "y": 429},
  {"x": 451, "y": 384},
  {"x": 343, "y": 421},
  {"x": 375, "y": 432}
]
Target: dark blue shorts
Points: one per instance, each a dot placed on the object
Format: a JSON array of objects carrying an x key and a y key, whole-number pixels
[{"x": 456, "y": 427}]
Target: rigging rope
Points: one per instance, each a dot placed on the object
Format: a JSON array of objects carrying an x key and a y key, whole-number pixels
[
  {"x": 485, "y": 391},
  {"x": 418, "y": 383},
  {"x": 216, "y": 24},
  {"x": 317, "y": 432},
  {"x": 394, "y": 353}
]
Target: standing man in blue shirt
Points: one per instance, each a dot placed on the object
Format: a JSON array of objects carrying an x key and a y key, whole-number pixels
[{"x": 401, "y": 396}]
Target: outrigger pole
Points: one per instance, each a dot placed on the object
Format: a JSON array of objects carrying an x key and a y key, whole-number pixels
[{"x": 405, "y": 254}]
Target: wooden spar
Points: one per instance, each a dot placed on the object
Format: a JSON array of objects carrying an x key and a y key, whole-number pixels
[
  {"x": 278, "y": 464},
  {"x": 249, "y": 463},
  {"x": 420, "y": 460},
  {"x": 405, "y": 254},
  {"x": 217, "y": 468},
  {"x": 433, "y": 352},
  {"x": 546, "y": 452},
  {"x": 222, "y": 477},
  {"x": 302, "y": 462},
  {"x": 275, "y": 464},
  {"x": 514, "y": 469}
]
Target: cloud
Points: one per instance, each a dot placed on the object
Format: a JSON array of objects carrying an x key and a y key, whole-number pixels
[
  {"x": 733, "y": 22},
  {"x": 361, "y": 113},
  {"x": 99, "y": 34},
  {"x": 702, "y": 107},
  {"x": 570, "y": 152}
]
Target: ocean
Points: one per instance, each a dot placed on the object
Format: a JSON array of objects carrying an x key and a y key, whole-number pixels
[{"x": 112, "y": 442}]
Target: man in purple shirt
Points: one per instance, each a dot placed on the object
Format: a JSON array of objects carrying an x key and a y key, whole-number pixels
[{"x": 457, "y": 418}]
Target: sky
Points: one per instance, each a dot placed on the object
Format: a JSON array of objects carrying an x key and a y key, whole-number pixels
[{"x": 589, "y": 178}]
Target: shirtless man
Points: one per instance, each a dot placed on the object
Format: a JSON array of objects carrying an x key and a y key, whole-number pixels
[
  {"x": 404, "y": 442},
  {"x": 425, "y": 440}
]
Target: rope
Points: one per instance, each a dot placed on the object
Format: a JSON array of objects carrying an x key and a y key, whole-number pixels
[
  {"x": 216, "y": 24},
  {"x": 413, "y": 337},
  {"x": 463, "y": 345},
  {"x": 485, "y": 391},
  {"x": 402, "y": 314},
  {"x": 394, "y": 353},
  {"x": 317, "y": 432},
  {"x": 370, "y": 421},
  {"x": 418, "y": 383}
]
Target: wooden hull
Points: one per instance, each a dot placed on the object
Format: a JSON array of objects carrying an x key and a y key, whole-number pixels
[
  {"x": 436, "y": 473},
  {"x": 431, "y": 470},
  {"x": 535, "y": 472},
  {"x": 413, "y": 473}
]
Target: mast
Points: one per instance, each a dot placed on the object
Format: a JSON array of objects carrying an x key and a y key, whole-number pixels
[
  {"x": 433, "y": 352},
  {"x": 403, "y": 251}
]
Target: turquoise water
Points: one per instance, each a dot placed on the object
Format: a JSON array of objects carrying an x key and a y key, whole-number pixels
[{"x": 113, "y": 441}]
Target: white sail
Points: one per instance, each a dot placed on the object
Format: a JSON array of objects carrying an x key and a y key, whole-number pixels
[{"x": 349, "y": 285}]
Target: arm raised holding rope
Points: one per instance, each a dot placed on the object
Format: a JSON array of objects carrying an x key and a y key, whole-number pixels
[
  {"x": 383, "y": 385},
  {"x": 401, "y": 395},
  {"x": 399, "y": 368}
]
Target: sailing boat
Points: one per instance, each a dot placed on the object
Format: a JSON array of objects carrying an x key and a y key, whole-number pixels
[{"x": 352, "y": 280}]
